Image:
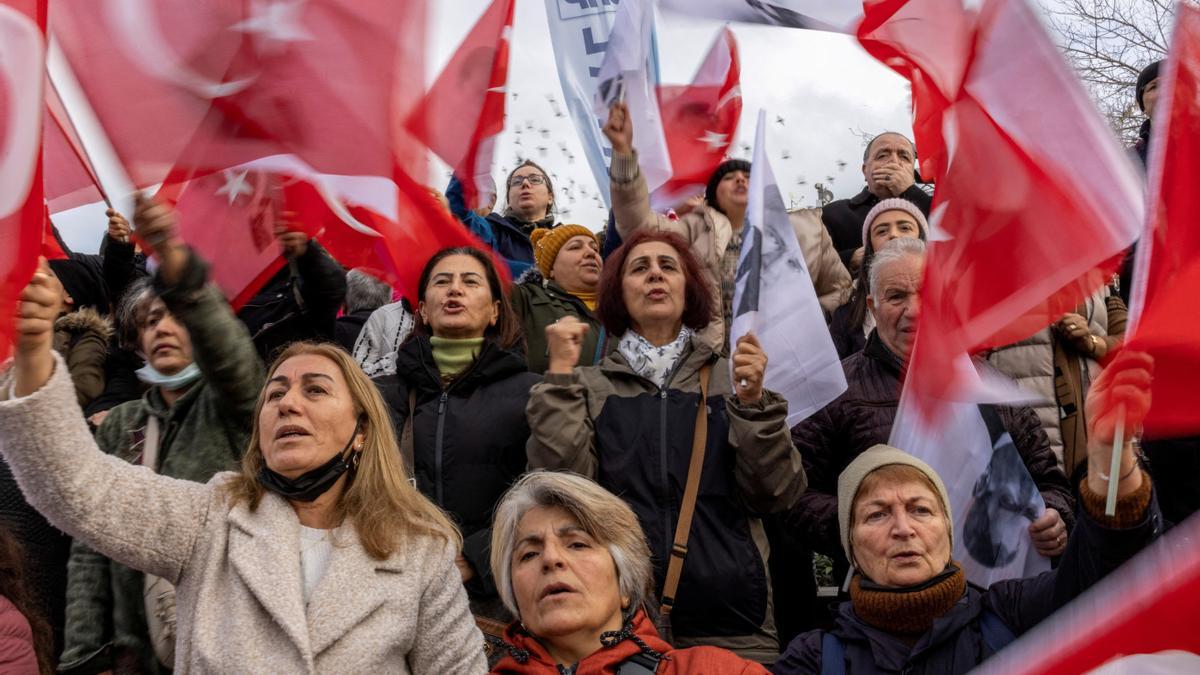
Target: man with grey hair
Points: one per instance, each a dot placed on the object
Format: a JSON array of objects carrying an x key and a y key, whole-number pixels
[
  {"x": 364, "y": 294},
  {"x": 889, "y": 167},
  {"x": 862, "y": 416}
]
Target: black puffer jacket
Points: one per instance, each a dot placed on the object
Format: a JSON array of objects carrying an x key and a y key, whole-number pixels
[
  {"x": 844, "y": 218},
  {"x": 956, "y": 643},
  {"x": 862, "y": 417},
  {"x": 468, "y": 437}
]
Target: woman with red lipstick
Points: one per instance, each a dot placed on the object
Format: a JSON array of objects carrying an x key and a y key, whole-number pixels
[
  {"x": 458, "y": 403},
  {"x": 629, "y": 422},
  {"x": 572, "y": 564},
  {"x": 911, "y": 609}
]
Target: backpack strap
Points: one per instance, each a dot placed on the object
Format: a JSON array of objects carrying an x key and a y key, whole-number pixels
[
  {"x": 833, "y": 655},
  {"x": 638, "y": 664},
  {"x": 684, "y": 527},
  {"x": 996, "y": 634}
]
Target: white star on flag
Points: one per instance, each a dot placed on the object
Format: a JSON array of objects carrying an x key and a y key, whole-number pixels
[
  {"x": 277, "y": 22},
  {"x": 714, "y": 141},
  {"x": 235, "y": 185}
]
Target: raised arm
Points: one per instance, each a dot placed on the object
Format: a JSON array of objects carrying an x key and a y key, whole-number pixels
[
  {"x": 221, "y": 344},
  {"x": 630, "y": 197},
  {"x": 770, "y": 477},
  {"x": 561, "y": 432}
]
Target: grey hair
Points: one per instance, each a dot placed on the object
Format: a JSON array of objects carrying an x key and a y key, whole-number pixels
[
  {"x": 364, "y": 291},
  {"x": 137, "y": 298},
  {"x": 867, "y": 150},
  {"x": 894, "y": 251},
  {"x": 604, "y": 516}
]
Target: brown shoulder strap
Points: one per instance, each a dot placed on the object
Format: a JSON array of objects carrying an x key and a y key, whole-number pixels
[
  {"x": 684, "y": 527},
  {"x": 406, "y": 437}
]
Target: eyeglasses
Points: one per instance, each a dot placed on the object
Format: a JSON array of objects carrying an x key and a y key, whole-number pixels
[{"x": 533, "y": 178}]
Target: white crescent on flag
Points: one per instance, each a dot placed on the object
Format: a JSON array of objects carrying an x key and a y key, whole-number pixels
[
  {"x": 22, "y": 54},
  {"x": 135, "y": 26}
]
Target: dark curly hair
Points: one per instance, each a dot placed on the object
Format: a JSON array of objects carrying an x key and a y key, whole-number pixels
[{"x": 698, "y": 301}]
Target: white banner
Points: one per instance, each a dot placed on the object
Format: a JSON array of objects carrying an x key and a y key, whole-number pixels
[
  {"x": 774, "y": 298},
  {"x": 993, "y": 499},
  {"x": 625, "y": 75},
  {"x": 840, "y": 16},
  {"x": 579, "y": 31}
]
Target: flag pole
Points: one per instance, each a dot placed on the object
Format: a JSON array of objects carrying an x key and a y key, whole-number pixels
[{"x": 1114, "y": 470}]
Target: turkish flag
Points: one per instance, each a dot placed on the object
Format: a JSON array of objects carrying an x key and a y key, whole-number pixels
[
  {"x": 1035, "y": 201},
  {"x": 463, "y": 111},
  {"x": 209, "y": 85},
  {"x": 1163, "y": 320},
  {"x": 69, "y": 181},
  {"x": 22, "y": 210},
  {"x": 699, "y": 121},
  {"x": 52, "y": 245}
]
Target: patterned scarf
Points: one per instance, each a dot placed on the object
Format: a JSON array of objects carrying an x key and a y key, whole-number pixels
[{"x": 653, "y": 363}]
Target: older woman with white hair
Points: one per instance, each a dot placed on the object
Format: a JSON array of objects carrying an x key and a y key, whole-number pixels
[
  {"x": 910, "y": 607},
  {"x": 572, "y": 564}
]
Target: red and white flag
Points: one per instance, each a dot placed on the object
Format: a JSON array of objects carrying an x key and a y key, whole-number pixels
[
  {"x": 70, "y": 181},
  {"x": 1163, "y": 320},
  {"x": 209, "y": 85},
  {"x": 1035, "y": 201},
  {"x": 463, "y": 112},
  {"x": 699, "y": 121},
  {"x": 22, "y": 72}
]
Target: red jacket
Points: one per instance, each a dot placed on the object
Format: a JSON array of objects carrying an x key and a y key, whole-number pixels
[{"x": 525, "y": 655}]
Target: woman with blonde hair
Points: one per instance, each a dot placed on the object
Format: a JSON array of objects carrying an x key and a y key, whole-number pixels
[
  {"x": 572, "y": 564},
  {"x": 318, "y": 556}
]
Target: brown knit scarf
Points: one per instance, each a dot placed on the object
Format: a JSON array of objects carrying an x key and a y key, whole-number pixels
[{"x": 907, "y": 612}]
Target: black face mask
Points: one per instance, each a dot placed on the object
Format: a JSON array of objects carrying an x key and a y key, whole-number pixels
[{"x": 314, "y": 482}]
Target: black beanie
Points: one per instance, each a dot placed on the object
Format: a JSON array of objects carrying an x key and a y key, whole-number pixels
[
  {"x": 1148, "y": 74},
  {"x": 710, "y": 191}
]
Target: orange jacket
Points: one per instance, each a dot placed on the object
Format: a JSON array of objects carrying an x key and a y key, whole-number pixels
[{"x": 524, "y": 655}]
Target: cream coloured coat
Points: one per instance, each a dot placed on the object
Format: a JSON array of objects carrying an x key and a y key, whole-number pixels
[{"x": 237, "y": 572}]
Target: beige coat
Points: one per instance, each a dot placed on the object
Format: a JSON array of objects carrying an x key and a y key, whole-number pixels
[
  {"x": 239, "y": 602},
  {"x": 710, "y": 232}
]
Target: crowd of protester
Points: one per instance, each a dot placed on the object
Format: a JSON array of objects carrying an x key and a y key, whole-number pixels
[{"x": 577, "y": 473}]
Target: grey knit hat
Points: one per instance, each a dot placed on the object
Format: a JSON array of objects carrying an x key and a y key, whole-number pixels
[
  {"x": 895, "y": 204},
  {"x": 875, "y": 457}
]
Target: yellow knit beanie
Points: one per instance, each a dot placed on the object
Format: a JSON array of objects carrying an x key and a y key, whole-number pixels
[{"x": 547, "y": 243}]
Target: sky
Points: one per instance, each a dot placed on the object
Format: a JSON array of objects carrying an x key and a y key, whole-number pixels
[{"x": 821, "y": 91}]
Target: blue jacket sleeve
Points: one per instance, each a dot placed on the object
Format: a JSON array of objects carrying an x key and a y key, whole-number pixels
[{"x": 478, "y": 225}]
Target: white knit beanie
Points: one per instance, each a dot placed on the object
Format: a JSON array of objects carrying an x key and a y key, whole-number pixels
[
  {"x": 875, "y": 457},
  {"x": 895, "y": 204}
]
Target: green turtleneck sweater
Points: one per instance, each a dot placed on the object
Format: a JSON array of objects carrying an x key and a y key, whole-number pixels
[{"x": 454, "y": 356}]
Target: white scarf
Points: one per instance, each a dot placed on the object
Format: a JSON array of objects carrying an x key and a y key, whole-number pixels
[{"x": 653, "y": 363}]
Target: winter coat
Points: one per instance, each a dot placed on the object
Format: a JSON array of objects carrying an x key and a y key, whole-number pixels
[
  {"x": 525, "y": 655},
  {"x": 540, "y": 302},
  {"x": 1139, "y": 151},
  {"x": 611, "y": 424},
  {"x": 238, "y": 583},
  {"x": 955, "y": 644},
  {"x": 709, "y": 232},
  {"x": 300, "y": 302},
  {"x": 379, "y": 342},
  {"x": 82, "y": 339},
  {"x": 468, "y": 437},
  {"x": 205, "y": 431},
  {"x": 1033, "y": 363},
  {"x": 862, "y": 417},
  {"x": 844, "y": 218},
  {"x": 121, "y": 383},
  {"x": 122, "y": 265},
  {"x": 17, "y": 654},
  {"x": 348, "y": 327},
  {"x": 505, "y": 233}
]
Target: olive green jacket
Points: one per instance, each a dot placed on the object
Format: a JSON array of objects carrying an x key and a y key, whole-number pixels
[
  {"x": 203, "y": 433},
  {"x": 540, "y": 302}
]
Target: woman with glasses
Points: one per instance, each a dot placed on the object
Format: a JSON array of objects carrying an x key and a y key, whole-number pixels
[{"x": 529, "y": 204}]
